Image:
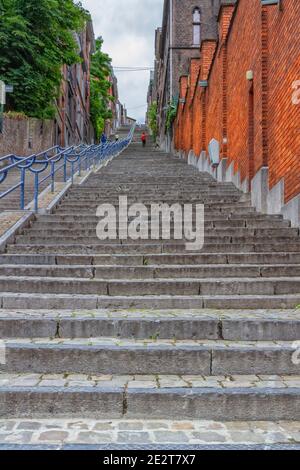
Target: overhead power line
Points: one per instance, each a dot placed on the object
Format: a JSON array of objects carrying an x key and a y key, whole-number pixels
[
  {"x": 137, "y": 107},
  {"x": 132, "y": 69}
]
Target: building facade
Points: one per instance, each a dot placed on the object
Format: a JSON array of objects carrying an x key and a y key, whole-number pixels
[
  {"x": 72, "y": 124},
  {"x": 118, "y": 110},
  {"x": 185, "y": 23},
  {"x": 245, "y": 93}
]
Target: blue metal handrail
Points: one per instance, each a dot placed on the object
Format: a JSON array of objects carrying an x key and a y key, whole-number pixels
[{"x": 74, "y": 158}]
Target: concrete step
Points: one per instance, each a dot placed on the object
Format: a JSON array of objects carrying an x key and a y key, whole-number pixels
[
  {"x": 232, "y": 325},
  {"x": 131, "y": 356},
  {"x": 225, "y": 235},
  {"x": 154, "y": 248},
  {"x": 228, "y": 202},
  {"x": 219, "y": 210},
  {"x": 259, "y": 259},
  {"x": 211, "y": 216},
  {"x": 151, "y": 272},
  {"x": 213, "y": 204},
  {"x": 164, "y": 286},
  {"x": 89, "y": 226},
  {"x": 235, "y": 232},
  {"x": 13, "y": 300},
  {"x": 37, "y": 396},
  {"x": 91, "y": 198}
]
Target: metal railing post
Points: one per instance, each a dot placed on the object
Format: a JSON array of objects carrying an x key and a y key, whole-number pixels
[
  {"x": 36, "y": 191},
  {"x": 22, "y": 189},
  {"x": 65, "y": 168},
  {"x": 72, "y": 172},
  {"x": 52, "y": 177}
]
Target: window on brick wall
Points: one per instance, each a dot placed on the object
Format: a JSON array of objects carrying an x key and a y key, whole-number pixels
[{"x": 196, "y": 27}]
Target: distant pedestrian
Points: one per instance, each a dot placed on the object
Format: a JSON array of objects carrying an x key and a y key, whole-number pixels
[
  {"x": 144, "y": 139},
  {"x": 117, "y": 137},
  {"x": 103, "y": 138}
]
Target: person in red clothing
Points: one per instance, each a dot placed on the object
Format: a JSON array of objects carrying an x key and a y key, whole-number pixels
[{"x": 144, "y": 139}]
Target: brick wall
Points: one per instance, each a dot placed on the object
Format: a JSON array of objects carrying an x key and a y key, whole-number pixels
[
  {"x": 26, "y": 136},
  {"x": 255, "y": 121},
  {"x": 283, "y": 115}
]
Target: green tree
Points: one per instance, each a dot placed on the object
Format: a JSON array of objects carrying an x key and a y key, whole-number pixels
[
  {"x": 36, "y": 38},
  {"x": 152, "y": 118},
  {"x": 100, "y": 89},
  {"x": 171, "y": 113}
]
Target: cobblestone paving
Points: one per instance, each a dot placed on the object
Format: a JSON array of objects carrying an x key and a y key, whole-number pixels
[
  {"x": 48, "y": 432},
  {"x": 149, "y": 381}
]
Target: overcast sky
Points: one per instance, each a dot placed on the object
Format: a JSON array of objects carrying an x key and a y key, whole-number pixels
[{"x": 128, "y": 28}]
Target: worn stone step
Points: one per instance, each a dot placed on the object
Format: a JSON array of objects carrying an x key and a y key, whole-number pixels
[
  {"x": 227, "y": 202},
  {"x": 210, "y": 216},
  {"x": 113, "y": 189},
  {"x": 151, "y": 272},
  {"x": 217, "y": 258},
  {"x": 236, "y": 234},
  {"x": 150, "y": 185},
  {"x": 37, "y": 396},
  {"x": 152, "y": 260},
  {"x": 220, "y": 210},
  {"x": 89, "y": 226},
  {"x": 77, "y": 301},
  {"x": 235, "y": 325},
  {"x": 154, "y": 248},
  {"x": 209, "y": 231},
  {"x": 219, "y": 205},
  {"x": 155, "y": 194},
  {"x": 235, "y": 244},
  {"x": 125, "y": 356},
  {"x": 163, "y": 286}
]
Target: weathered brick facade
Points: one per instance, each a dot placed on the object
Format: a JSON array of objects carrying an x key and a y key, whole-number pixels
[
  {"x": 252, "y": 115},
  {"x": 72, "y": 124},
  {"x": 175, "y": 47}
]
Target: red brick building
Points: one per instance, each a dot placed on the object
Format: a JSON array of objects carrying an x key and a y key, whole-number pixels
[{"x": 244, "y": 92}]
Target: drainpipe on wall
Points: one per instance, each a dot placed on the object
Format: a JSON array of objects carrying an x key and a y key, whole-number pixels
[
  {"x": 171, "y": 70},
  {"x": 171, "y": 49}
]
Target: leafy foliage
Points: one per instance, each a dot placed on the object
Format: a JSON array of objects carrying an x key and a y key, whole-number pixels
[
  {"x": 36, "y": 38},
  {"x": 100, "y": 89},
  {"x": 171, "y": 114},
  {"x": 15, "y": 115},
  {"x": 152, "y": 118}
]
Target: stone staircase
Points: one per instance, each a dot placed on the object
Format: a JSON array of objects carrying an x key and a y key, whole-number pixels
[{"x": 137, "y": 329}]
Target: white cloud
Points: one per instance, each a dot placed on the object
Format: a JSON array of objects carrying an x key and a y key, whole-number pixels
[{"x": 127, "y": 27}]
